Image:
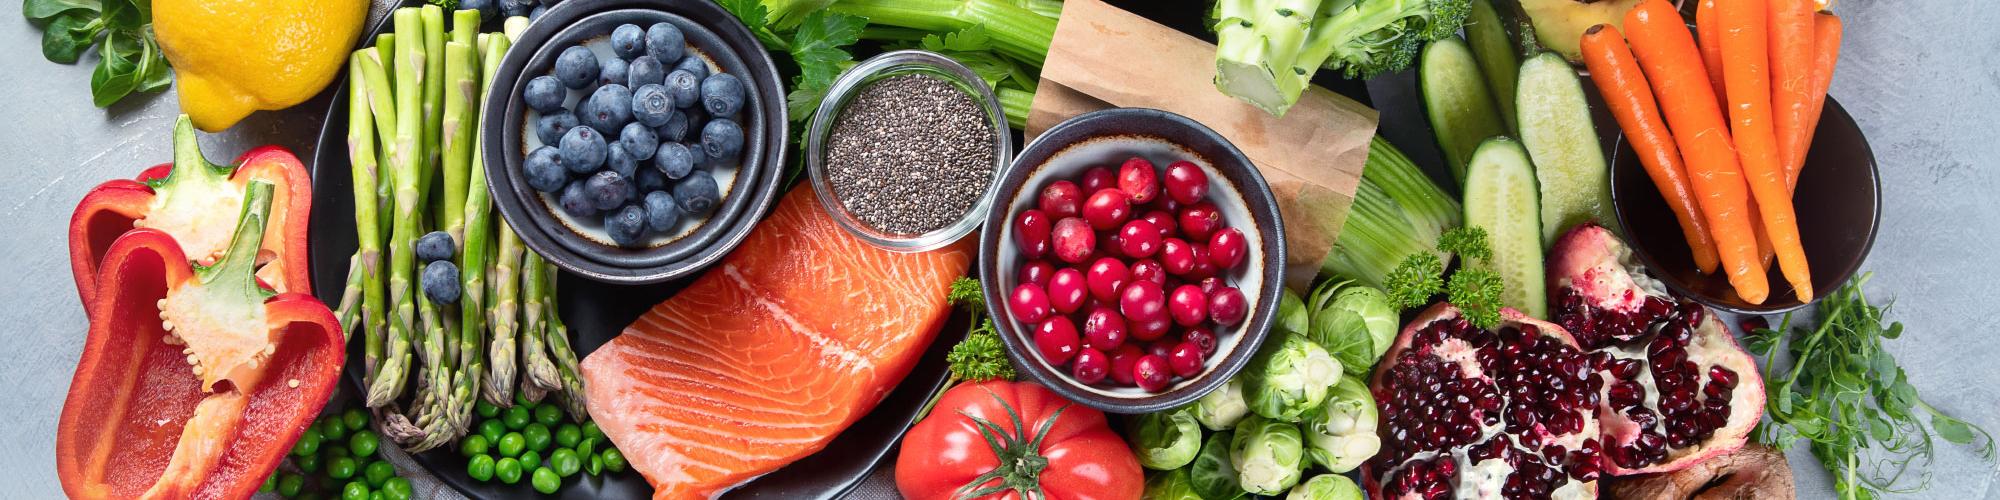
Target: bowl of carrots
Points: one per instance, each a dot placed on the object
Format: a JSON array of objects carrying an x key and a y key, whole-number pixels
[{"x": 1727, "y": 134}]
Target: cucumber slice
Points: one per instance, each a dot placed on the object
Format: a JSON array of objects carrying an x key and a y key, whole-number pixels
[
  {"x": 1455, "y": 96},
  {"x": 1501, "y": 197},
  {"x": 1494, "y": 51},
  {"x": 1561, "y": 138}
]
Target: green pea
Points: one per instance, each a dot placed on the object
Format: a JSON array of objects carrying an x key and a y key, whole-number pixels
[
  {"x": 376, "y": 495},
  {"x": 508, "y": 470},
  {"x": 530, "y": 459},
  {"x": 521, "y": 399},
  {"x": 308, "y": 463},
  {"x": 537, "y": 436},
  {"x": 595, "y": 466},
  {"x": 270, "y": 483},
  {"x": 397, "y": 489},
  {"x": 565, "y": 462},
  {"x": 355, "y": 419},
  {"x": 549, "y": 415},
  {"x": 590, "y": 431},
  {"x": 308, "y": 443},
  {"x": 480, "y": 468},
  {"x": 614, "y": 460},
  {"x": 568, "y": 435},
  {"x": 546, "y": 481},
  {"x": 332, "y": 429},
  {"x": 364, "y": 444},
  {"x": 492, "y": 429},
  {"x": 333, "y": 449},
  {"x": 472, "y": 445},
  {"x": 290, "y": 484},
  {"x": 378, "y": 473},
  {"x": 587, "y": 447},
  {"x": 341, "y": 468},
  {"x": 510, "y": 445},
  {"x": 485, "y": 409},
  {"x": 516, "y": 418},
  {"x": 354, "y": 490}
]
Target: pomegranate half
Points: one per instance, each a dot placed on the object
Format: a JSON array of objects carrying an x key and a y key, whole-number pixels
[
  {"x": 1676, "y": 388},
  {"x": 1474, "y": 413}
]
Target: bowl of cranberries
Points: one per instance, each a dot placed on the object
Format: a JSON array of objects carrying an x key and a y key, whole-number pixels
[{"x": 1134, "y": 257}]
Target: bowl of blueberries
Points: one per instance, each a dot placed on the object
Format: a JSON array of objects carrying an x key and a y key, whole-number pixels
[{"x": 637, "y": 141}]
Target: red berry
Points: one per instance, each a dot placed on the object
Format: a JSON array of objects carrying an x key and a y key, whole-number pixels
[
  {"x": 1226, "y": 248},
  {"x": 1149, "y": 270},
  {"x": 1105, "y": 277},
  {"x": 1122, "y": 360},
  {"x": 1139, "y": 239},
  {"x": 1227, "y": 306},
  {"x": 1028, "y": 304},
  {"x": 1073, "y": 240},
  {"x": 1037, "y": 272},
  {"x": 1061, "y": 199},
  {"x": 1056, "y": 339},
  {"x": 1186, "y": 183},
  {"x": 1185, "y": 359},
  {"x": 1200, "y": 336},
  {"x": 1188, "y": 305},
  {"x": 1164, "y": 220},
  {"x": 1202, "y": 268},
  {"x": 1200, "y": 219},
  {"x": 1091, "y": 366},
  {"x": 1164, "y": 204},
  {"x": 1137, "y": 179},
  {"x": 1210, "y": 284},
  {"x": 1161, "y": 348},
  {"x": 1098, "y": 178},
  {"x": 1067, "y": 290},
  {"x": 1107, "y": 209},
  {"x": 1103, "y": 329},
  {"x": 1177, "y": 256},
  {"x": 1145, "y": 308},
  {"x": 1151, "y": 373},
  {"x": 1031, "y": 232}
]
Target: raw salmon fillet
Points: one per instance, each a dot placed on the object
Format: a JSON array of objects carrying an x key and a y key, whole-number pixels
[{"x": 761, "y": 361}]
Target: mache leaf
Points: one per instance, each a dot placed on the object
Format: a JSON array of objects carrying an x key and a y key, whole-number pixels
[
  {"x": 36, "y": 10},
  {"x": 71, "y": 33}
]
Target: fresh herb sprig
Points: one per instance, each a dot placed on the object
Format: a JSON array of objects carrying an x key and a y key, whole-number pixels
[
  {"x": 1473, "y": 288},
  {"x": 981, "y": 356},
  {"x": 1844, "y": 394},
  {"x": 128, "y": 56}
]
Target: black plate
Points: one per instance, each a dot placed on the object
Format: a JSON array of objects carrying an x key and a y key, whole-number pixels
[{"x": 595, "y": 313}]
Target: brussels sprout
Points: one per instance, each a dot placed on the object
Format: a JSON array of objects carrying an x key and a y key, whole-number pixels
[
  {"x": 1170, "y": 485},
  {"x": 1341, "y": 433},
  {"x": 1221, "y": 408},
  {"x": 1165, "y": 440},
  {"x": 1212, "y": 474},
  {"x": 1292, "y": 313},
  {"x": 1269, "y": 455},
  {"x": 1324, "y": 487},
  {"x": 1289, "y": 377},
  {"x": 1354, "y": 323}
]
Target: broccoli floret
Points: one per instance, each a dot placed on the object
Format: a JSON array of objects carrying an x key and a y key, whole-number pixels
[{"x": 1365, "y": 38}]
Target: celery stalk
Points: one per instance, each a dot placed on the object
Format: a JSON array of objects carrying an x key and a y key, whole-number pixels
[{"x": 1397, "y": 212}]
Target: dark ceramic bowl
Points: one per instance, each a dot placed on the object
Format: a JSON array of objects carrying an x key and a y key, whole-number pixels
[
  {"x": 1839, "y": 200},
  {"x": 1108, "y": 137},
  {"x": 749, "y": 188}
]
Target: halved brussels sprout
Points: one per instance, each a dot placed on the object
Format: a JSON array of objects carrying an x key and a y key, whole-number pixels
[
  {"x": 1269, "y": 455},
  {"x": 1289, "y": 377},
  {"x": 1325, "y": 487},
  {"x": 1341, "y": 433},
  {"x": 1165, "y": 440},
  {"x": 1221, "y": 408}
]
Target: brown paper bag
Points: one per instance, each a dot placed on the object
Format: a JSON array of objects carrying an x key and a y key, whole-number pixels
[{"x": 1103, "y": 57}]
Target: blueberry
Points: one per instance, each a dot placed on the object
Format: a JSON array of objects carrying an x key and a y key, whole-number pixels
[
  {"x": 675, "y": 129},
  {"x": 665, "y": 42},
  {"x": 544, "y": 169},
  {"x": 696, "y": 118},
  {"x": 650, "y": 179},
  {"x": 626, "y": 225},
  {"x": 661, "y": 212},
  {"x": 551, "y": 126},
  {"x": 693, "y": 64},
  {"x": 614, "y": 72},
  {"x": 606, "y": 190},
  {"x": 440, "y": 282},
  {"x": 435, "y": 246},
  {"x": 583, "y": 150},
  {"x": 699, "y": 157},
  {"x": 685, "y": 88},
  {"x": 608, "y": 109},
  {"x": 697, "y": 194},
  {"x": 516, "y": 7},
  {"x": 576, "y": 67},
  {"x": 643, "y": 71},
  {"x": 722, "y": 138},
  {"x": 620, "y": 161},
  {"x": 537, "y": 12},
  {"x": 628, "y": 41},
  {"x": 652, "y": 105},
  {"x": 544, "y": 94},
  {"x": 722, "y": 94},
  {"x": 486, "y": 8},
  {"x": 673, "y": 160},
  {"x": 639, "y": 141},
  {"x": 575, "y": 203}
]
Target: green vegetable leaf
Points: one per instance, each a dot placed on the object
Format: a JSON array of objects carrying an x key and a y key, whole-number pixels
[
  {"x": 1468, "y": 242},
  {"x": 128, "y": 14},
  {"x": 818, "y": 46},
  {"x": 36, "y": 10},
  {"x": 754, "y": 15},
  {"x": 802, "y": 101},
  {"x": 1951, "y": 429},
  {"x": 1476, "y": 292},
  {"x": 965, "y": 40},
  {"x": 117, "y": 74},
  {"x": 69, "y": 35}
]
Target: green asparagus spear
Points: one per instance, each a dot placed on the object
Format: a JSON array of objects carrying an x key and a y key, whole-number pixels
[
  {"x": 433, "y": 97},
  {"x": 459, "y": 120},
  {"x": 539, "y": 372},
  {"x": 389, "y": 381},
  {"x": 364, "y": 85},
  {"x": 501, "y": 351},
  {"x": 565, "y": 358}
]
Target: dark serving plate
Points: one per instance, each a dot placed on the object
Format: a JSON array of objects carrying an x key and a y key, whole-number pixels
[{"x": 595, "y": 313}]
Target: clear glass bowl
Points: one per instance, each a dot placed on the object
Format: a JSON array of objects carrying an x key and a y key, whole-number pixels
[{"x": 896, "y": 63}]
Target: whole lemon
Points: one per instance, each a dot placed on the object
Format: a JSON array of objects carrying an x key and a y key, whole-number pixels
[{"x": 232, "y": 57}]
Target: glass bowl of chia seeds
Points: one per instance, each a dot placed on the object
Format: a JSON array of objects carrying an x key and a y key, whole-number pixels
[{"x": 904, "y": 150}]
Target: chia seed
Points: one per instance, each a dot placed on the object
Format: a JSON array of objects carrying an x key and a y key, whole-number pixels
[{"x": 910, "y": 154}]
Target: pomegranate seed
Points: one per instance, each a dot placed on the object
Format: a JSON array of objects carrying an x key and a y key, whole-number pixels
[
  {"x": 1056, "y": 339},
  {"x": 1162, "y": 220},
  {"x": 1227, "y": 306},
  {"x": 1185, "y": 359},
  {"x": 1105, "y": 277},
  {"x": 1107, "y": 209},
  {"x": 1188, "y": 305},
  {"x": 1200, "y": 220},
  {"x": 1149, "y": 270},
  {"x": 1099, "y": 178},
  {"x": 1200, "y": 336},
  {"x": 1037, "y": 272},
  {"x": 1067, "y": 290},
  {"x": 1186, "y": 183},
  {"x": 1103, "y": 329},
  {"x": 1073, "y": 240},
  {"x": 1029, "y": 304},
  {"x": 1227, "y": 248},
  {"x": 1139, "y": 239},
  {"x": 1151, "y": 373},
  {"x": 1061, "y": 199},
  {"x": 1138, "y": 179},
  {"x": 1122, "y": 360},
  {"x": 1722, "y": 376},
  {"x": 1091, "y": 366},
  {"x": 1177, "y": 255},
  {"x": 1145, "y": 308}
]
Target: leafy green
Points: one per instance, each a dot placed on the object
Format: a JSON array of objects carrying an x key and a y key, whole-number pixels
[
  {"x": 71, "y": 33},
  {"x": 981, "y": 356},
  {"x": 1170, "y": 485},
  {"x": 1213, "y": 474},
  {"x": 1415, "y": 280},
  {"x": 965, "y": 292},
  {"x": 37, "y": 10},
  {"x": 1476, "y": 292},
  {"x": 129, "y": 58},
  {"x": 1469, "y": 242}
]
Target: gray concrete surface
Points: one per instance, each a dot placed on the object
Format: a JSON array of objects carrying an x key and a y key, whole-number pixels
[{"x": 1922, "y": 77}]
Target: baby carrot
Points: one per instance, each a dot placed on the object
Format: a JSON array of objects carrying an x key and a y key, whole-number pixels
[
  {"x": 1825, "y": 52},
  {"x": 1631, "y": 100},
  {"x": 1745, "y": 55},
  {"x": 1791, "y": 44},
  {"x": 1666, "y": 51},
  {"x": 1705, "y": 27}
]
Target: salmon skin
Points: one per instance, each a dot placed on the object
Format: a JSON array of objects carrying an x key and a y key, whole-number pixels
[{"x": 761, "y": 361}]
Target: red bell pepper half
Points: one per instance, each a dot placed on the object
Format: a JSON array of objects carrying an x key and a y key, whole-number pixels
[
  {"x": 192, "y": 201},
  {"x": 194, "y": 381}
]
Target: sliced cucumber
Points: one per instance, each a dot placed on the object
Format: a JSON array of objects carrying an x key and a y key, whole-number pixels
[
  {"x": 1557, "y": 130},
  {"x": 1501, "y": 197},
  {"x": 1461, "y": 109},
  {"x": 1496, "y": 55}
]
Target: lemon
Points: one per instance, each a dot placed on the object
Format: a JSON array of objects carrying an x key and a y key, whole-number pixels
[{"x": 232, "y": 57}]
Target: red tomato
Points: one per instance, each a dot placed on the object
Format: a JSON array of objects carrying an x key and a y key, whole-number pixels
[{"x": 947, "y": 455}]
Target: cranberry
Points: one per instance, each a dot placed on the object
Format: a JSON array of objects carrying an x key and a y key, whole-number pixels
[
  {"x": 1105, "y": 277},
  {"x": 1202, "y": 268},
  {"x": 1161, "y": 348},
  {"x": 1200, "y": 336},
  {"x": 1099, "y": 178},
  {"x": 1186, "y": 359},
  {"x": 1037, "y": 272},
  {"x": 1227, "y": 306},
  {"x": 1137, "y": 179},
  {"x": 1029, "y": 304},
  {"x": 1149, "y": 270},
  {"x": 1188, "y": 305},
  {"x": 1200, "y": 219},
  {"x": 1067, "y": 290},
  {"x": 1145, "y": 310},
  {"x": 1210, "y": 284},
  {"x": 1103, "y": 329},
  {"x": 1122, "y": 360},
  {"x": 1091, "y": 366},
  {"x": 1151, "y": 373},
  {"x": 1031, "y": 232},
  {"x": 1226, "y": 248},
  {"x": 1162, "y": 219},
  {"x": 1177, "y": 256},
  {"x": 1056, "y": 339},
  {"x": 1061, "y": 199},
  {"x": 1107, "y": 209},
  {"x": 1186, "y": 183},
  {"x": 1164, "y": 204},
  {"x": 1073, "y": 240},
  {"x": 1139, "y": 239}
]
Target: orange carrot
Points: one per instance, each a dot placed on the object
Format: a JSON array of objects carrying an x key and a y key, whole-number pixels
[
  {"x": 1745, "y": 57},
  {"x": 1631, "y": 100},
  {"x": 1667, "y": 53},
  {"x": 1791, "y": 44},
  {"x": 1825, "y": 52},
  {"x": 1705, "y": 27}
]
